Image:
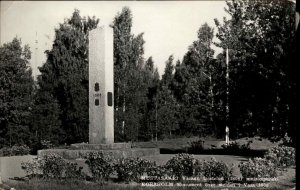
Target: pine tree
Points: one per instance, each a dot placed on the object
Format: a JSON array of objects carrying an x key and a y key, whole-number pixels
[{"x": 167, "y": 106}]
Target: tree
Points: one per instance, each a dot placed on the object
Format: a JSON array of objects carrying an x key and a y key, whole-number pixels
[
  {"x": 16, "y": 91},
  {"x": 260, "y": 36},
  {"x": 122, "y": 35},
  {"x": 165, "y": 104},
  {"x": 64, "y": 80},
  {"x": 132, "y": 79},
  {"x": 45, "y": 121},
  {"x": 193, "y": 84},
  {"x": 152, "y": 94}
]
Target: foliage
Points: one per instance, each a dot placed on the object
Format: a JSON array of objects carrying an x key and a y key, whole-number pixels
[
  {"x": 46, "y": 144},
  {"x": 166, "y": 106},
  {"x": 52, "y": 166},
  {"x": 281, "y": 156},
  {"x": 61, "y": 103},
  {"x": 45, "y": 120},
  {"x": 258, "y": 168},
  {"x": 32, "y": 168},
  {"x": 131, "y": 169},
  {"x": 260, "y": 38},
  {"x": 16, "y": 91},
  {"x": 215, "y": 169},
  {"x": 100, "y": 165},
  {"x": 181, "y": 165},
  {"x": 133, "y": 78},
  {"x": 157, "y": 171},
  {"x": 196, "y": 146},
  {"x": 193, "y": 85},
  {"x": 235, "y": 146},
  {"x": 16, "y": 150},
  {"x": 19, "y": 150},
  {"x": 149, "y": 127},
  {"x": 72, "y": 171}
]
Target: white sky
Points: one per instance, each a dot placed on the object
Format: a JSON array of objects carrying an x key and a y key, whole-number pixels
[{"x": 169, "y": 26}]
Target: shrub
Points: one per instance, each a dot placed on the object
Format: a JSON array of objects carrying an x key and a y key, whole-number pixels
[
  {"x": 5, "y": 151},
  {"x": 257, "y": 168},
  {"x": 101, "y": 166},
  {"x": 46, "y": 144},
  {"x": 181, "y": 165},
  {"x": 32, "y": 168},
  {"x": 235, "y": 146},
  {"x": 148, "y": 167},
  {"x": 156, "y": 171},
  {"x": 281, "y": 156},
  {"x": 196, "y": 146},
  {"x": 20, "y": 150},
  {"x": 131, "y": 169},
  {"x": 214, "y": 169},
  {"x": 16, "y": 150},
  {"x": 72, "y": 171},
  {"x": 52, "y": 166}
]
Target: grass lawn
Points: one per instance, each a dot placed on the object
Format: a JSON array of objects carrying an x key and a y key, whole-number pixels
[{"x": 182, "y": 143}]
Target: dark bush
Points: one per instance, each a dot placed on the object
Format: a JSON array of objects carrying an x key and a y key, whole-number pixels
[
  {"x": 52, "y": 166},
  {"x": 196, "y": 146},
  {"x": 32, "y": 168},
  {"x": 72, "y": 171},
  {"x": 101, "y": 166},
  {"x": 131, "y": 169},
  {"x": 181, "y": 165},
  {"x": 258, "y": 168},
  {"x": 156, "y": 171},
  {"x": 281, "y": 156},
  {"x": 16, "y": 150},
  {"x": 216, "y": 170}
]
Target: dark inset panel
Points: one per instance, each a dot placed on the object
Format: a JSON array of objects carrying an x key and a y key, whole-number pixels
[
  {"x": 109, "y": 99},
  {"x": 97, "y": 88},
  {"x": 96, "y": 102}
]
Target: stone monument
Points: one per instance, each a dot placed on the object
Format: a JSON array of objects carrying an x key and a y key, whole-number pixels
[
  {"x": 101, "y": 86},
  {"x": 227, "y": 135},
  {"x": 101, "y": 105}
]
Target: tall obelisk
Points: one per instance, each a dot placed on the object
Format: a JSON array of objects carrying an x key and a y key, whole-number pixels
[
  {"x": 101, "y": 86},
  {"x": 101, "y": 110}
]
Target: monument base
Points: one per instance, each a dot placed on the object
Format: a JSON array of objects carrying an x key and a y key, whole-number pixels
[
  {"x": 111, "y": 146},
  {"x": 115, "y": 150}
]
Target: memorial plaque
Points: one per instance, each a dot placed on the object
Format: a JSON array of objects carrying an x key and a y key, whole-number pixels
[
  {"x": 96, "y": 87},
  {"x": 109, "y": 99}
]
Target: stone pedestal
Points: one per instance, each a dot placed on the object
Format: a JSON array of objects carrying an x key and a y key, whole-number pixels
[
  {"x": 115, "y": 150},
  {"x": 112, "y": 146}
]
